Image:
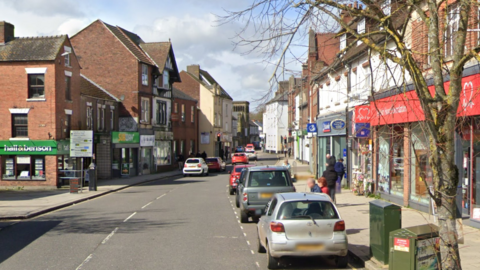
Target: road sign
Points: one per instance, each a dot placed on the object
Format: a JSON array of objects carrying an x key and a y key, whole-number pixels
[{"x": 81, "y": 143}]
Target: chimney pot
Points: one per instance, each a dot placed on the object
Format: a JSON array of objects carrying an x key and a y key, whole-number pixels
[{"x": 7, "y": 32}]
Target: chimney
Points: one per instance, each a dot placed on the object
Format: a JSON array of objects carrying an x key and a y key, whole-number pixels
[
  {"x": 194, "y": 70},
  {"x": 6, "y": 32}
]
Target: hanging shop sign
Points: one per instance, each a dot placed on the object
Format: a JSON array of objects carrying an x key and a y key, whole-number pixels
[
  {"x": 362, "y": 114},
  {"x": 125, "y": 137},
  {"x": 312, "y": 128},
  {"x": 147, "y": 140},
  {"x": 362, "y": 130}
]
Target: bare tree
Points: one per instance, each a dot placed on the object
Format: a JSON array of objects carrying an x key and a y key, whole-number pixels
[{"x": 279, "y": 23}]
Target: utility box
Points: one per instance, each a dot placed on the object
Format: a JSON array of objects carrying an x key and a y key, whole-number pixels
[
  {"x": 384, "y": 218},
  {"x": 415, "y": 247}
]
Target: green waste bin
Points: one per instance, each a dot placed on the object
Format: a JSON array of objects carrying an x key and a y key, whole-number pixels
[
  {"x": 384, "y": 218},
  {"x": 415, "y": 248}
]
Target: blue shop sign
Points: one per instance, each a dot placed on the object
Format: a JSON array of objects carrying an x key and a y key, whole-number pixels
[
  {"x": 326, "y": 126},
  {"x": 362, "y": 130},
  {"x": 312, "y": 128},
  {"x": 338, "y": 124}
]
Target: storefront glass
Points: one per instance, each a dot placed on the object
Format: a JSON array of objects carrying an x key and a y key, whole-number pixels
[
  {"x": 420, "y": 172},
  {"x": 391, "y": 159},
  {"x": 163, "y": 153},
  {"x": 146, "y": 157},
  {"x": 475, "y": 183},
  {"x": 23, "y": 168},
  {"x": 384, "y": 160}
]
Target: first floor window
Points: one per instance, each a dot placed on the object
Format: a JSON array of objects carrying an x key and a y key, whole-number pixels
[
  {"x": 161, "y": 112},
  {"x": 23, "y": 167},
  {"x": 89, "y": 117},
  {"x": 144, "y": 74},
  {"x": 68, "y": 95},
  {"x": 145, "y": 117},
  {"x": 36, "y": 85},
  {"x": 183, "y": 112},
  {"x": 19, "y": 125},
  {"x": 192, "y": 114},
  {"x": 68, "y": 125}
]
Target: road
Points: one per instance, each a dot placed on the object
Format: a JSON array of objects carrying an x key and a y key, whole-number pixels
[{"x": 182, "y": 223}]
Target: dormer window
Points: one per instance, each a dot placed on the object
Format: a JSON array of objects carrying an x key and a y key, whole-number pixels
[
  {"x": 360, "y": 29},
  {"x": 386, "y": 7},
  {"x": 343, "y": 41}
]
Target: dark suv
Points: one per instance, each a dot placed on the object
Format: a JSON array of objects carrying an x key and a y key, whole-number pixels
[{"x": 256, "y": 187}]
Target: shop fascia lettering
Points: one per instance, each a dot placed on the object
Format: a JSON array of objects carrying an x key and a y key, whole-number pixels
[{"x": 25, "y": 148}]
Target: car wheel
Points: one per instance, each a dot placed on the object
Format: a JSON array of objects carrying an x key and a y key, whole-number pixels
[
  {"x": 237, "y": 203},
  {"x": 243, "y": 217},
  {"x": 260, "y": 248},
  {"x": 272, "y": 263},
  {"x": 206, "y": 173},
  {"x": 341, "y": 261},
  {"x": 230, "y": 190},
  {"x": 201, "y": 174}
]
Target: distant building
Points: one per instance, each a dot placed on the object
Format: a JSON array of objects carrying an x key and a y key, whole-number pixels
[
  {"x": 241, "y": 111},
  {"x": 275, "y": 121}
]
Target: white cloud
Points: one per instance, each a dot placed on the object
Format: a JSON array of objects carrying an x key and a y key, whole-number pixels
[
  {"x": 46, "y": 7},
  {"x": 72, "y": 26}
]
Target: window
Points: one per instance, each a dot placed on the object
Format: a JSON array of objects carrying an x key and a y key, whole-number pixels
[
  {"x": 386, "y": 7},
  {"x": 161, "y": 112},
  {"x": 192, "y": 146},
  {"x": 36, "y": 86},
  {"x": 23, "y": 168},
  {"x": 307, "y": 210},
  {"x": 68, "y": 51},
  {"x": 19, "y": 125},
  {"x": 112, "y": 118},
  {"x": 67, "y": 88},
  {"x": 367, "y": 81},
  {"x": 268, "y": 179},
  {"x": 192, "y": 113},
  {"x": 452, "y": 27},
  {"x": 183, "y": 112},
  {"x": 343, "y": 41},
  {"x": 271, "y": 206},
  {"x": 99, "y": 117},
  {"x": 175, "y": 108},
  {"x": 68, "y": 125},
  {"x": 89, "y": 117},
  {"x": 145, "y": 117},
  {"x": 144, "y": 74},
  {"x": 361, "y": 29},
  {"x": 166, "y": 80}
]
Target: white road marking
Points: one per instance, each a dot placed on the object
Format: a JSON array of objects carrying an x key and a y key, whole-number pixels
[
  {"x": 252, "y": 251},
  {"x": 244, "y": 234},
  {"x": 146, "y": 205},
  {"x": 109, "y": 236},
  {"x": 84, "y": 262},
  {"x": 238, "y": 221},
  {"x": 241, "y": 227},
  {"x": 258, "y": 265},
  {"x": 160, "y": 196},
  {"x": 129, "y": 217},
  {"x": 248, "y": 242}
]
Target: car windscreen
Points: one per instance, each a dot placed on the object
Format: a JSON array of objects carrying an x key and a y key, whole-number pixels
[
  {"x": 211, "y": 160},
  {"x": 193, "y": 161},
  {"x": 307, "y": 210},
  {"x": 239, "y": 169},
  {"x": 268, "y": 179}
]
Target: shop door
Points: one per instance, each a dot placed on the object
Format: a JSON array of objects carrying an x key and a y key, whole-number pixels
[{"x": 466, "y": 177}]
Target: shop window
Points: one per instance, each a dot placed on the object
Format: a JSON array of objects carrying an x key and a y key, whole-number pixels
[
  {"x": 421, "y": 173},
  {"x": 391, "y": 160},
  {"x": 36, "y": 85},
  {"x": 162, "y": 153},
  {"x": 19, "y": 125},
  {"x": 23, "y": 168},
  {"x": 183, "y": 112}
]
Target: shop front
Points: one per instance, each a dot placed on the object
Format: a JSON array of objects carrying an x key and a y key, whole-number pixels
[
  {"x": 331, "y": 139},
  {"x": 126, "y": 146},
  {"x": 33, "y": 162},
  {"x": 162, "y": 150},
  {"x": 147, "y": 142},
  {"x": 361, "y": 147}
]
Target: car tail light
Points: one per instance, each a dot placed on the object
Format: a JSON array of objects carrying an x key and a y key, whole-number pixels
[
  {"x": 339, "y": 226},
  {"x": 199, "y": 165},
  {"x": 245, "y": 197},
  {"x": 185, "y": 166},
  {"x": 276, "y": 227}
]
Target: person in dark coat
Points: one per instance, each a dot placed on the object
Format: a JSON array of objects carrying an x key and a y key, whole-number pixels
[
  {"x": 331, "y": 175},
  {"x": 198, "y": 154},
  {"x": 340, "y": 169},
  {"x": 204, "y": 155},
  {"x": 330, "y": 160}
]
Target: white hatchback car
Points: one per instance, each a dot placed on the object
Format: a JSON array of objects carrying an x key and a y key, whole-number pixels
[
  {"x": 195, "y": 166},
  {"x": 302, "y": 224}
]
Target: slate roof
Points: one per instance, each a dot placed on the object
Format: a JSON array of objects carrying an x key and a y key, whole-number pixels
[
  {"x": 158, "y": 52},
  {"x": 90, "y": 88},
  {"x": 32, "y": 49},
  {"x": 279, "y": 97},
  {"x": 131, "y": 41},
  {"x": 181, "y": 95}
]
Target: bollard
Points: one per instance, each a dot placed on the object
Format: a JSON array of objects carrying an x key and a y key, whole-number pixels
[{"x": 92, "y": 175}]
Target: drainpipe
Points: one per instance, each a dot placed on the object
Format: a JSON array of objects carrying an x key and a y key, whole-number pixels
[{"x": 347, "y": 130}]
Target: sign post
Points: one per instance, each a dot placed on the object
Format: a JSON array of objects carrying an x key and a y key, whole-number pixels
[{"x": 81, "y": 145}]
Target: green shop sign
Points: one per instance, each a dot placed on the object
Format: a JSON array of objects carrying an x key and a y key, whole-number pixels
[
  {"x": 48, "y": 147},
  {"x": 125, "y": 137}
]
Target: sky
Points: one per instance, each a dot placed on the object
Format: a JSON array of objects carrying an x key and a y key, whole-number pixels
[{"x": 192, "y": 26}]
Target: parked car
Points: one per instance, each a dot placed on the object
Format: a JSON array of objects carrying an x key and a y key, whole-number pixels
[
  {"x": 239, "y": 149},
  {"x": 216, "y": 163},
  {"x": 195, "y": 166},
  {"x": 234, "y": 176},
  {"x": 239, "y": 158},
  {"x": 256, "y": 187},
  {"x": 302, "y": 224},
  {"x": 251, "y": 154},
  {"x": 250, "y": 147}
]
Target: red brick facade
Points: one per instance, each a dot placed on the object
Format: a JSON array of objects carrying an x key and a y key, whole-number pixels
[{"x": 185, "y": 131}]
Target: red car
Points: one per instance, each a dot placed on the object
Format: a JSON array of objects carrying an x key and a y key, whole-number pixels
[
  {"x": 239, "y": 158},
  {"x": 215, "y": 163},
  {"x": 234, "y": 176}
]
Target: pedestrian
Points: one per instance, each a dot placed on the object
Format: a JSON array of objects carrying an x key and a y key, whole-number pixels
[
  {"x": 221, "y": 153},
  {"x": 331, "y": 176},
  {"x": 340, "y": 169},
  {"x": 330, "y": 160},
  {"x": 313, "y": 186},
  {"x": 288, "y": 166},
  {"x": 226, "y": 154},
  {"x": 180, "y": 160},
  {"x": 198, "y": 154},
  {"x": 204, "y": 155},
  {"x": 322, "y": 183},
  {"x": 289, "y": 151},
  {"x": 285, "y": 151},
  {"x": 191, "y": 155}
]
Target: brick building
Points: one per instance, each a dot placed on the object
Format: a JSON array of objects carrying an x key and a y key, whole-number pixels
[
  {"x": 184, "y": 124},
  {"x": 41, "y": 78},
  {"x": 114, "y": 58}
]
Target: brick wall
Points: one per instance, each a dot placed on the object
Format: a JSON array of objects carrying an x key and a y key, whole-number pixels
[
  {"x": 189, "y": 86},
  {"x": 186, "y": 131}
]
